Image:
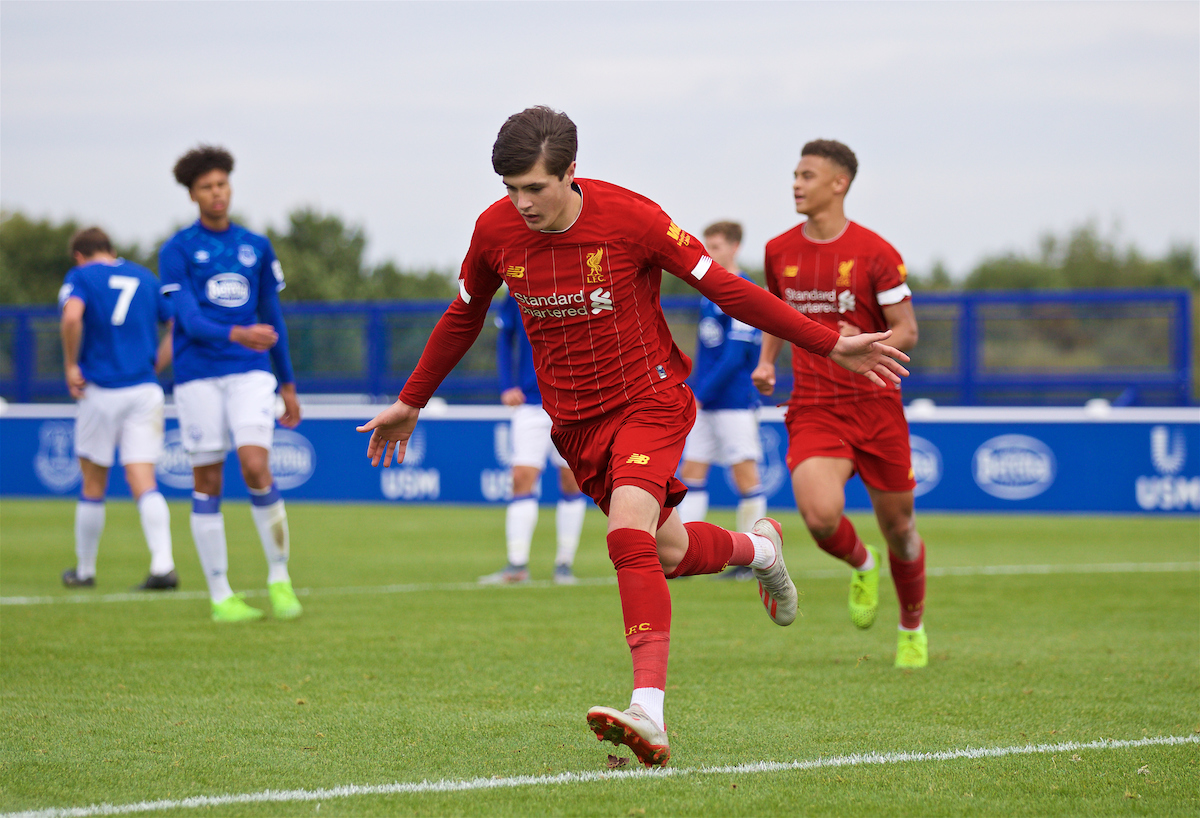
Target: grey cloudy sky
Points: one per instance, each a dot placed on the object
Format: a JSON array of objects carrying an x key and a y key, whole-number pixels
[{"x": 978, "y": 125}]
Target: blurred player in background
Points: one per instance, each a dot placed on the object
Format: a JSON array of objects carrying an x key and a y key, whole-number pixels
[
  {"x": 531, "y": 446},
  {"x": 726, "y": 430},
  {"x": 584, "y": 260},
  {"x": 849, "y": 279},
  {"x": 224, "y": 282},
  {"x": 111, "y": 309}
]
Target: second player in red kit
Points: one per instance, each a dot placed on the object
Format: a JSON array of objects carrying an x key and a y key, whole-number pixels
[{"x": 847, "y": 278}]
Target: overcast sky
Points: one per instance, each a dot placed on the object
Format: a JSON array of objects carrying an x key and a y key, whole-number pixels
[{"x": 978, "y": 126}]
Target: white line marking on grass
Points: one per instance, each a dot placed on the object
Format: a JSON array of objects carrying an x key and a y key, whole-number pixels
[
  {"x": 352, "y": 790},
  {"x": 1093, "y": 568},
  {"x": 830, "y": 573}
]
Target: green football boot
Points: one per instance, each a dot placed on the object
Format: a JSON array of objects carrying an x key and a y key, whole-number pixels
[
  {"x": 234, "y": 609},
  {"x": 864, "y": 594},
  {"x": 912, "y": 649},
  {"x": 283, "y": 600}
]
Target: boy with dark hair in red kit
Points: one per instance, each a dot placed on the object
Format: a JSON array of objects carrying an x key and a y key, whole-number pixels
[{"x": 584, "y": 260}]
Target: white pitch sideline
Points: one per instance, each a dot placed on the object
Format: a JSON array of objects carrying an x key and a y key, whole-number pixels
[
  {"x": 829, "y": 573},
  {"x": 353, "y": 790}
]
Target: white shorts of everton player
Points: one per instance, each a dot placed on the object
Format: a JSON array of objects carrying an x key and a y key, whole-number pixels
[
  {"x": 531, "y": 442},
  {"x": 211, "y": 410},
  {"x": 724, "y": 437},
  {"x": 129, "y": 418}
]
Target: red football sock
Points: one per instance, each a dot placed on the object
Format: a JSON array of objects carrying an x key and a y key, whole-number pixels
[
  {"x": 909, "y": 579},
  {"x": 645, "y": 604},
  {"x": 711, "y": 549},
  {"x": 649, "y": 652},
  {"x": 845, "y": 544}
]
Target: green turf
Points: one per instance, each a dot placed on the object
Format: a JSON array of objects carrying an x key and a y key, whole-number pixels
[{"x": 128, "y": 701}]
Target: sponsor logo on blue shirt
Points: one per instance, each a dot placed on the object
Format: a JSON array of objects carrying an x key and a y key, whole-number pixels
[{"x": 228, "y": 289}]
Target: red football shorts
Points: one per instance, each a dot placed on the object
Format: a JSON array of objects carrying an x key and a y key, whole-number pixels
[
  {"x": 872, "y": 434},
  {"x": 638, "y": 444}
]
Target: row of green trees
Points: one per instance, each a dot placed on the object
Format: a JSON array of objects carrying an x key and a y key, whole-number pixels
[
  {"x": 323, "y": 260},
  {"x": 1083, "y": 259}
]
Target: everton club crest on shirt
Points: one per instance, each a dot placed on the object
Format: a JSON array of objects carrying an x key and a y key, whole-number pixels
[{"x": 247, "y": 256}]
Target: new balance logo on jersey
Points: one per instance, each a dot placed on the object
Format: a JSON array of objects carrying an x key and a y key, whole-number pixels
[
  {"x": 228, "y": 290},
  {"x": 639, "y": 459},
  {"x": 679, "y": 234},
  {"x": 595, "y": 272},
  {"x": 903, "y": 271},
  {"x": 790, "y": 271},
  {"x": 843, "y": 278},
  {"x": 515, "y": 272},
  {"x": 845, "y": 301},
  {"x": 601, "y": 300}
]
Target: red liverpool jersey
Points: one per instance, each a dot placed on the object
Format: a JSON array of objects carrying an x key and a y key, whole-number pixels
[
  {"x": 589, "y": 299},
  {"x": 849, "y": 278}
]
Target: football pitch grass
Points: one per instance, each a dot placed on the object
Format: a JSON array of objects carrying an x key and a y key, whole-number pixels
[{"x": 1064, "y": 676}]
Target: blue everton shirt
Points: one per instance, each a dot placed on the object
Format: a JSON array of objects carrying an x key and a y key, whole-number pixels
[
  {"x": 122, "y": 309},
  {"x": 216, "y": 281},
  {"x": 726, "y": 354},
  {"x": 514, "y": 355}
]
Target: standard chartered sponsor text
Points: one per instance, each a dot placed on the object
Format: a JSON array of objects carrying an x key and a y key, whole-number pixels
[
  {"x": 810, "y": 301},
  {"x": 555, "y": 305}
]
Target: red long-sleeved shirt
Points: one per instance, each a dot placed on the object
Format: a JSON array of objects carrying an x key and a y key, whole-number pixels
[{"x": 589, "y": 298}]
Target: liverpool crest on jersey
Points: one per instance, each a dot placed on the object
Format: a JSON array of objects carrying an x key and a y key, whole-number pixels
[
  {"x": 843, "y": 276},
  {"x": 595, "y": 274}
]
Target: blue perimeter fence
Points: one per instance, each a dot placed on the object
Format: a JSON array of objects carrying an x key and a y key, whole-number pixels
[{"x": 1029, "y": 348}]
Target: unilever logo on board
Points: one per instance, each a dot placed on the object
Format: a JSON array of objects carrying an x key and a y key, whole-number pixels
[
  {"x": 926, "y": 465},
  {"x": 496, "y": 484},
  {"x": 1168, "y": 490},
  {"x": 1014, "y": 467},
  {"x": 406, "y": 481}
]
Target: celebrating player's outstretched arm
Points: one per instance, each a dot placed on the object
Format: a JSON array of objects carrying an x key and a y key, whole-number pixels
[{"x": 865, "y": 355}]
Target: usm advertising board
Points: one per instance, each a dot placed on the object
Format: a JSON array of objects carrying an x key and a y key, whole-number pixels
[{"x": 1109, "y": 460}]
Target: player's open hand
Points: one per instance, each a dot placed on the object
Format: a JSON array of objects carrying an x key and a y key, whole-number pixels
[
  {"x": 291, "y": 406},
  {"x": 763, "y": 377},
  {"x": 258, "y": 337},
  {"x": 390, "y": 431},
  {"x": 869, "y": 357}
]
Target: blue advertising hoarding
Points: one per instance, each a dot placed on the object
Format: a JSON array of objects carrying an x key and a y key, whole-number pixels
[{"x": 1112, "y": 460}]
